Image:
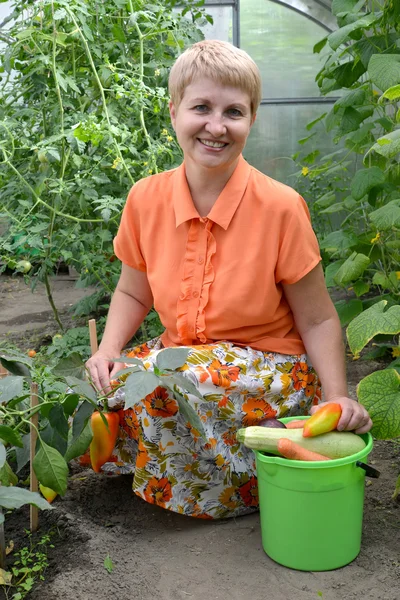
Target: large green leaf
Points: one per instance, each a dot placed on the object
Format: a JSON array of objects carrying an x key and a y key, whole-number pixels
[
  {"x": 364, "y": 180},
  {"x": 10, "y": 436},
  {"x": 338, "y": 240},
  {"x": 171, "y": 358},
  {"x": 348, "y": 310},
  {"x": 138, "y": 386},
  {"x": 350, "y": 120},
  {"x": 7, "y": 475},
  {"x": 346, "y": 6},
  {"x": 10, "y": 387},
  {"x": 189, "y": 413},
  {"x": 387, "y": 146},
  {"x": 58, "y": 420},
  {"x": 387, "y": 216},
  {"x": 384, "y": 70},
  {"x": 352, "y": 268},
  {"x": 83, "y": 388},
  {"x": 3, "y": 454},
  {"x": 81, "y": 418},
  {"x": 15, "y": 497},
  {"x": 341, "y": 35},
  {"x": 331, "y": 271},
  {"x": 372, "y": 321},
  {"x": 325, "y": 200},
  {"x": 182, "y": 382},
  {"x": 15, "y": 367},
  {"x": 348, "y": 73},
  {"x": 380, "y": 394},
  {"x": 393, "y": 93},
  {"x": 79, "y": 445},
  {"x": 71, "y": 366},
  {"x": 353, "y": 98},
  {"x": 51, "y": 469}
]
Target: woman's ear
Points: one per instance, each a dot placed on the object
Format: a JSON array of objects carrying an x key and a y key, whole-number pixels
[
  {"x": 172, "y": 113},
  {"x": 253, "y": 118}
]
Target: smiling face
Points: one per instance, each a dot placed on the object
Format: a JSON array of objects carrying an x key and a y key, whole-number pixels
[{"x": 212, "y": 123}]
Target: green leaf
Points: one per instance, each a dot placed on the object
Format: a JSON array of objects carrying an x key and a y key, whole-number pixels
[
  {"x": 79, "y": 445},
  {"x": 51, "y": 469},
  {"x": 118, "y": 33},
  {"x": 3, "y": 455},
  {"x": 331, "y": 271},
  {"x": 387, "y": 146},
  {"x": 81, "y": 418},
  {"x": 10, "y": 436},
  {"x": 348, "y": 73},
  {"x": 325, "y": 200},
  {"x": 360, "y": 288},
  {"x": 15, "y": 367},
  {"x": 72, "y": 366},
  {"x": 83, "y": 388},
  {"x": 348, "y": 309},
  {"x": 310, "y": 125},
  {"x": 350, "y": 120},
  {"x": 320, "y": 45},
  {"x": 51, "y": 437},
  {"x": 393, "y": 93},
  {"x": 189, "y": 413},
  {"x": 58, "y": 421},
  {"x": 108, "y": 564},
  {"x": 343, "y": 6},
  {"x": 353, "y": 98},
  {"x": 15, "y": 497},
  {"x": 70, "y": 404},
  {"x": 384, "y": 70},
  {"x": 23, "y": 454},
  {"x": 338, "y": 240},
  {"x": 182, "y": 382},
  {"x": 370, "y": 323},
  {"x": 10, "y": 387},
  {"x": 352, "y": 268},
  {"x": 341, "y": 35},
  {"x": 364, "y": 180},
  {"x": 171, "y": 358},
  {"x": 138, "y": 386},
  {"x": 380, "y": 394},
  {"x": 387, "y": 217},
  {"x": 7, "y": 475}
]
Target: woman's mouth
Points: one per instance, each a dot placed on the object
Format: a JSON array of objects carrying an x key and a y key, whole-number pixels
[{"x": 212, "y": 144}]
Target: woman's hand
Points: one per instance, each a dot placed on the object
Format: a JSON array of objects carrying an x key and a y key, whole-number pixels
[
  {"x": 102, "y": 367},
  {"x": 354, "y": 416}
]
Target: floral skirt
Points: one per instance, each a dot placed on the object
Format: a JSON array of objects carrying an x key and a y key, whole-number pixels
[{"x": 172, "y": 465}]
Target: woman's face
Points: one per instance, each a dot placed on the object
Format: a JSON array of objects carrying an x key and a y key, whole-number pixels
[{"x": 212, "y": 123}]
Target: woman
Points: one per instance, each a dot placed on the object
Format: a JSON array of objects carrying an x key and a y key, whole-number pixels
[{"x": 230, "y": 261}]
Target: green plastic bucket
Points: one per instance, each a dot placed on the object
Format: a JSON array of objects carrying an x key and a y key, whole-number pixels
[{"x": 311, "y": 512}]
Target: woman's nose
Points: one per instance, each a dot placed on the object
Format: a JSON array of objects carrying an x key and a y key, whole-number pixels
[{"x": 216, "y": 126}]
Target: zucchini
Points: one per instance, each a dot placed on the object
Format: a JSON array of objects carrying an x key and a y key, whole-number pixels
[{"x": 335, "y": 444}]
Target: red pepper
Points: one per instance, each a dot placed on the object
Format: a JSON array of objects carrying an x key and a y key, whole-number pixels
[
  {"x": 323, "y": 420},
  {"x": 104, "y": 438}
]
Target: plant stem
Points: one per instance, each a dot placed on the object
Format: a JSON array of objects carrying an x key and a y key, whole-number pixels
[{"x": 51, "y": 301}]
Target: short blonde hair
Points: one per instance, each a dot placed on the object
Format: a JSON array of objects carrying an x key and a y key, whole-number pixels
[{"x": 219, "y": 61}]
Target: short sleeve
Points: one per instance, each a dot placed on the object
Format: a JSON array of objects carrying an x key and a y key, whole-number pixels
[
  {"x": 298, "y": 249},
  {"x": 127, "y": 245}
]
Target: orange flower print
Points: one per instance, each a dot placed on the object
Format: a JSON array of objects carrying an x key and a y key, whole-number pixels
[
  {"x": 256, "y": 409},
  {"x": 229, "y": 437},
  {"x": 142, "y": 457},
  {"x": 223, "y": 375},
  {"x": 249, "y": 492},
  {"x": 139, "y": 352},
  {"x": 158, "y": 491},
  {"x": 129, "y": 422},
  {"x": 229, "y": 498},
  {"x": 159, "y": 404},
  {"x": 300, "y": 375}
]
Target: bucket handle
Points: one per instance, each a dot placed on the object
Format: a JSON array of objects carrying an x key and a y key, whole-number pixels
[{"x": 369, "y": 471}]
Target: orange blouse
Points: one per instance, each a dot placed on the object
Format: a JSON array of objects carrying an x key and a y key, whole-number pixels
[{"x": 219, "y": 277}]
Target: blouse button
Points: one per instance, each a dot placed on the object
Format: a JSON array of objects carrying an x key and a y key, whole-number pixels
[
  {"x": 195, "y": 294},
  {"x": 182, "y": 297},
  {"x": 200, "y": 260}
]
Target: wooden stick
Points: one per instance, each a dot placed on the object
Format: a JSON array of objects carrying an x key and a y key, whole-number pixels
[
  {"x": 3, "y": 373},
  {"x": 34, "y": 511},
  {"x": 93, "y": 336}
]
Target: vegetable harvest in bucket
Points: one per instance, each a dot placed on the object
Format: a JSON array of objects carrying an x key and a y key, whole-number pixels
[
  {"x": 105, "y": 432},
  {"x": 335, "y": 444}
]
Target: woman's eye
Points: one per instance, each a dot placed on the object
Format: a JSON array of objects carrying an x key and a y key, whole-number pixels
[
  {"x": 201, "y": 107},
  {"x": 235, "y": 112}
]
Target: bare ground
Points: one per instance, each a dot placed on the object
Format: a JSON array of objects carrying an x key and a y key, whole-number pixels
[{"x": 158, "y": 554}]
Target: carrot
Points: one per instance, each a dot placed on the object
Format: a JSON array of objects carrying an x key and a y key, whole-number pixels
[
  {"x": 296, "y": 424},
  {"x": 294, "y": 451}
]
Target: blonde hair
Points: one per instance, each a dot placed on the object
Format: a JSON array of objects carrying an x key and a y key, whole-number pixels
[{"x": 219, "y": 61}]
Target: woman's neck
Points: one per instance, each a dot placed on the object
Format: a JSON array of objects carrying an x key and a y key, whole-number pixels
[{"x": 206, "y": 185}]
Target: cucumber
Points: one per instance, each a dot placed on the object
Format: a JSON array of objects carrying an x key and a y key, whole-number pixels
[{"x": 335, "y": 444}]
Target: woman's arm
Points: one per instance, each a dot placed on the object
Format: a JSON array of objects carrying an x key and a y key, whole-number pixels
[
  {"x": 319, "y": 327},
  {"x": 129, "y": 305}
]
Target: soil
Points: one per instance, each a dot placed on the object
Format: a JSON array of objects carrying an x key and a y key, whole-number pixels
[{"x": 158, "y": 554}]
